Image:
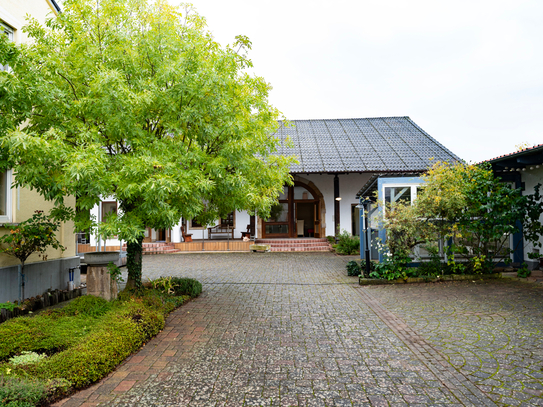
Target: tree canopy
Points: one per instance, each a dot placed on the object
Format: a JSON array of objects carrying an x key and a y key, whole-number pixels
[{"x": 133, "y": 99}]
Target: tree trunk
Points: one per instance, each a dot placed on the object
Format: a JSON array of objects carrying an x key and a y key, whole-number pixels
[{"x": 133, "y": 263}]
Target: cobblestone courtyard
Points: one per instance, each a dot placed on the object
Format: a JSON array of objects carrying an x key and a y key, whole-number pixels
[{"x": 286, "y": 329}]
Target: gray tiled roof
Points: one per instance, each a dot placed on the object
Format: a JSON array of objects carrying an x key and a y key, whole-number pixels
[{"x": 360, "y": 145}]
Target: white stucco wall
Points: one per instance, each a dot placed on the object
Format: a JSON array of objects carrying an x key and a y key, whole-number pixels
[
  {"x": 241, "y": 220},
  {"x": 96, "y": 213},
  {"x": 349, "y": 185}
]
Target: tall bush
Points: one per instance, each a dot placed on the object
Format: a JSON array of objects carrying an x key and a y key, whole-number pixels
[{"x": 347, "y": 243}]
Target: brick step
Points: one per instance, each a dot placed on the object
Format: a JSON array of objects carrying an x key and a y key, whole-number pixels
[
  {"x": 157, "y": 248},
  {"x": 273, "y": 241},
  {"x": 298, "y": 244},
  {"x": 167, "y": 251},
  {"x": 300, "y": 249}
]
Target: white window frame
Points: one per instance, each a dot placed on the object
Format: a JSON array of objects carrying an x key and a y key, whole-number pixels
[
  {"x": 7, "y": 218},
  {"x": 396, "y": 185},
  {"x": 6, "y": 29}
]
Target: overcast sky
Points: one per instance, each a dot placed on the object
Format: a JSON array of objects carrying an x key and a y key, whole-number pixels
[{"x": 468, "y": 72}]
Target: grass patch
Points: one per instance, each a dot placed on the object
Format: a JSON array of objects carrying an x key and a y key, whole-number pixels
[{"x": 58, "y": 351}]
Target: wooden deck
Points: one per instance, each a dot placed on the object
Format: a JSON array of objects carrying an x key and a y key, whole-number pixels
[
  {"x": 195, "y": 246},
  {"x": 214, "y": 246}
]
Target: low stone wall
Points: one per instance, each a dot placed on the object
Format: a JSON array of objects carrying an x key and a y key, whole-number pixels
[
  {"x": 40, "y": 276},
  {"x": 453, "y": 277}
]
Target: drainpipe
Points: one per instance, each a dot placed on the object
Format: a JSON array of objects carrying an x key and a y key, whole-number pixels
[
  {"x": 337, "y": 199},
  {"x": 366, "y": 238}
]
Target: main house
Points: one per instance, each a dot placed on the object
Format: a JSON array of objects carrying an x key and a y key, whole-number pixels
[
  {"x": 336, "y": 157},
  {"x": 18, "y": 204}
]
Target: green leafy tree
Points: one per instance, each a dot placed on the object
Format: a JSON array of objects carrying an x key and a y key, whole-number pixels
[
  {"x": 479, "y": 212},
  {"x": 132, "y": 99},
  {"x": 469, "y": 206},
  {"x": 34, "y": 235}
]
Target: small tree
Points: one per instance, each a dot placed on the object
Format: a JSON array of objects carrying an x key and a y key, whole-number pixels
[{"x": 33, "y": 235}]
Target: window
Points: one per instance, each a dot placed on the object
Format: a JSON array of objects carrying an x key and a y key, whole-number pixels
[
  {"x": 6, "y": 30},
  {"x": 195, "y": 225},
  {"x": 5, "y": 196},
  {"x": 108, "y": 208},
  {"x": 398, "y": 194},
  {"x": 229, "y": 220}
]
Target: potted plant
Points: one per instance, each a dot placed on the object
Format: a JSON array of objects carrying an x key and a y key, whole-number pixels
[{"x": 535, "y": 255}]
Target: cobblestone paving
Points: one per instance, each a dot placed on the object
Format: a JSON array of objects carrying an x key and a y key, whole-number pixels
[
  {"x": 491, "y": 331},
  {"x": 291, "y": 329}
]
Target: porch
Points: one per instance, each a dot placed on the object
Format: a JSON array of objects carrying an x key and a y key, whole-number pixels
[{"x": 218, "y": 245}]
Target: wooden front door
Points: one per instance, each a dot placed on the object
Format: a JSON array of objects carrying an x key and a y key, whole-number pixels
[{"x": 284, "y": 216}]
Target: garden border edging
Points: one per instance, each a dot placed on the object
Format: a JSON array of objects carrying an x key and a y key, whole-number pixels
[{"x": 412, "y": 280}]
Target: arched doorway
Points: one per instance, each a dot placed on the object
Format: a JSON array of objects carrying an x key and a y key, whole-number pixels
[{"x": 298, "y": 213}]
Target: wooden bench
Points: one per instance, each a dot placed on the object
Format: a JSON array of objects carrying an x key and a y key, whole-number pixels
[
  {"x": 186, "y": 237},
  {"x": 223, "y": 230},
  {"x": 246, "y": 234}
]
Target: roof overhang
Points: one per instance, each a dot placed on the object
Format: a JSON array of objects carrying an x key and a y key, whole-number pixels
[{"x": 517, "y": 161}]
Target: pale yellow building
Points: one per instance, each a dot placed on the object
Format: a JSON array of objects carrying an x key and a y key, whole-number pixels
[{"x": 18, "y": 204}]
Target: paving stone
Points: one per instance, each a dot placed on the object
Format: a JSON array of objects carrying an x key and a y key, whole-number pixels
[{"x": 291, "y": 329}]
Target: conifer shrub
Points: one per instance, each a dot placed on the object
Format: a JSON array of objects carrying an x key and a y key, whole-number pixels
[{"x": 187, "y": 286}]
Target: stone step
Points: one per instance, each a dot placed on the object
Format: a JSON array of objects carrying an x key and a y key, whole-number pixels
[
  {"x": 157, "y": 248},
  {"x": 296, "y": 245},
  {"x": 300, "y": 249},
  {"x": 311, "y": 240}
]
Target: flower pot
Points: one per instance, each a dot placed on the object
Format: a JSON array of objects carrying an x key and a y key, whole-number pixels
[{"x": 100, "y": 258}]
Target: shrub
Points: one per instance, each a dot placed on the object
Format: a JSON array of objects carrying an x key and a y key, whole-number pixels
[
  {"x": 347, "y": 244},
  {"x": 26, "y": 358},
  {"x": 433, "y": 268},
  {"x": 393, "y": 267},
  {"x": 16, "y": 392},
  {"x": 86, "y": 305},
  {"x": 10, "y": 306},
  {"x": 83, "y": 342},
  {"x": 331, "y": 239},
  {"x": 353, "y": 268},
  {"x": 46, "y": 333},
  {"x": 524, "y": 272},
  {"x": 120, "y": 334},
  {"x": 187, "y": 286}
]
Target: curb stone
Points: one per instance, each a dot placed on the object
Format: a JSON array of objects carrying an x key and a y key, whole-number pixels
[{"x": 413, "y": 280}]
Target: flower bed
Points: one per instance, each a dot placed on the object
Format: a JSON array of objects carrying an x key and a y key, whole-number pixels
[{"x": 52, "y": 354}]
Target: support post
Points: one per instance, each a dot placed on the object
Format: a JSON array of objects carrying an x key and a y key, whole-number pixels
[
  {"x": 366, "y": 239},
  {"x": 337, "y": 199}
]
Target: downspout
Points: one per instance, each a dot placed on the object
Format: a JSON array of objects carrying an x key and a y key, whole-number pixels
[{"x": 337, "y": 199}]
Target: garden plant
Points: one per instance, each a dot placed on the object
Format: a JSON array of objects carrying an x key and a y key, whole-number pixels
[
  {"x": 472, "y": 212},
  {"x": 48, "y": 356}
]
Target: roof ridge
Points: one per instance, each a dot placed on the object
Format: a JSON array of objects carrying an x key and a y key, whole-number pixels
[{"x": 348, "y": 118}]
